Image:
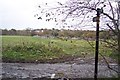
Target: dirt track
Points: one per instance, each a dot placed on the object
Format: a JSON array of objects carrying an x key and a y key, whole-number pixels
[{"x": 33, "y": 70}]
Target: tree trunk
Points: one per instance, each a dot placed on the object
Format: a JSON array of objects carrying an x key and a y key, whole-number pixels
[
  {"x": 119, "y": 54},
  {"x": 118, "y": 39}
]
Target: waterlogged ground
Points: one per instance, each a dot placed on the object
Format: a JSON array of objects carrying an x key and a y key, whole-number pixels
[{"x": 57, "y": 70}]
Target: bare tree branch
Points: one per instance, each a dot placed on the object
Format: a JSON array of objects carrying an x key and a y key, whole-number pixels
[
  {"x": 112, "y": 29},
  {"x": 107, "y": 63},
  {"x": 111, "y": 9}
]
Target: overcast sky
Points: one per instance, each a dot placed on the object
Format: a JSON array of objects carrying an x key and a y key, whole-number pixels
[{"x": 19, "y": 14}]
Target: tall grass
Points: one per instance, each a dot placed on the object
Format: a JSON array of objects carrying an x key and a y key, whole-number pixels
[{"x": 27, "y": 48}]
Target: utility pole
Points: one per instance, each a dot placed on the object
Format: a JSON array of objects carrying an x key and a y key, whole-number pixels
[
  {"x": 97, "y": 44},
  {"x": 97, "y": 20}
]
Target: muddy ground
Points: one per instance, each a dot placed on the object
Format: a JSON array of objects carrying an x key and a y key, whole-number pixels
[{"x": 78, "y": 68}]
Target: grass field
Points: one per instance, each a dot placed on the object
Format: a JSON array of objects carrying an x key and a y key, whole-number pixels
[{"x": 36, "y": 49}]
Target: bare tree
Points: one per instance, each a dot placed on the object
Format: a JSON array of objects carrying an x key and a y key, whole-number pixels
[{"x": 79, "y": 14}]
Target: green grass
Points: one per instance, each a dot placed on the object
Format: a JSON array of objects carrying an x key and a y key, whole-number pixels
[{"x": 30, "y": 49}]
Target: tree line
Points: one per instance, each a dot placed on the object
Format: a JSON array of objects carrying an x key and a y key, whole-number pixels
[{"x": 79, "y": 34}]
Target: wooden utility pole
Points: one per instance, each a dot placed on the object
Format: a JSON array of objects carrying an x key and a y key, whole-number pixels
[
  {"x": 97, "y": 20},
  {"x": 97, "y": 44}
]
